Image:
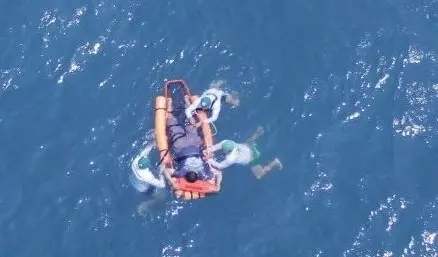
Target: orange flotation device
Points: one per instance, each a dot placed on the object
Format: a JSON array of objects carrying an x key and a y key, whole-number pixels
[{"x": 184, "y": 189}]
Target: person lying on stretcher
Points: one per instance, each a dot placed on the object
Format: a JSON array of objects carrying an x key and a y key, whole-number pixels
[{"x": 185, "y": 145}]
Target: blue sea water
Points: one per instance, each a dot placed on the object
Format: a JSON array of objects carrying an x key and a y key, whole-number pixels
[{"x": 347, "y": 92}]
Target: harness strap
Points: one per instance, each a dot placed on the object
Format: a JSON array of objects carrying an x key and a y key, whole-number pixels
[
  {"x": 214, "y": 100},
  {"x": 162, "y": 158},
  {"x": 172, "y": 140}
]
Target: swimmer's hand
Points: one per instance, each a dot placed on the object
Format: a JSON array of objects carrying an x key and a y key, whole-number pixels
[{"x": 207, "y": 154}]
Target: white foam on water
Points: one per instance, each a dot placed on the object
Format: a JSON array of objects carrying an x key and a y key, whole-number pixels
[
  {"x": 95, "y": 49},
  {"x": 177, "y": 249},
  {"x": 382, "y": 81},
  {"x": 81, "y": 57},
  {"x": 171, "y": 251},
  {"x": 422, "y": 244},
  {"x": 386, "y": 254},
  {"x": 390, "y": 209},
  {"x": 82, "y": 201},
  {"x": 53, "y": 25},
  {"x": 55, "y": 28},
  {"x": 7, "y": 78},
  {"x": 76, "y": 16},
  {"x": 353, "y": 116},
  {"x": 105, "y": 81},
  {"x": 415, "y": 55},
  {"x": 419, "y": 116},
  {"x": 321, "y": 184},
  {"x": 310, "y": 93},
  {"x": 391, "y": 221},
  {"x": 429, "y": 242}
]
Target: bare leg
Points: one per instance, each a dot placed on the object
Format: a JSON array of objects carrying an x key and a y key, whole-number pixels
[
  {"x": 260, "y": 171},
  {"x": 256, "y": 135},
  {"x": 257, "y": 171}
]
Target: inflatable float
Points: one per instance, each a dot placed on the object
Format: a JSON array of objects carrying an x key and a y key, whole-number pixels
[{"x": 176, "y": 90}]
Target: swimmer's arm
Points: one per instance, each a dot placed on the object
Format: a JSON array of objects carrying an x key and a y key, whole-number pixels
[
  {"x": 168, "y": 175},
  {"x": 218, "y": 180},
  {"x": 229, "y": 160},
  {"x": 215, "y": 147},
  {"x": 214, "y": 163},
  {"x": 191, "y": 108}
]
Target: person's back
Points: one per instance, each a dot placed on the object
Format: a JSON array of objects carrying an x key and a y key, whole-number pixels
[
  {"x": 242, "y": 154},
  {"x": 246, "y": 153},
  {"x": 234, "y": 154}
]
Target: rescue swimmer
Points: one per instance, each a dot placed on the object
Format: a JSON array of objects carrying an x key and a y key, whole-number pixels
[
  {"x": 246, "y": 153},
  {"x": 145, "y": 178},
  {"x": 210, "y": 101}
]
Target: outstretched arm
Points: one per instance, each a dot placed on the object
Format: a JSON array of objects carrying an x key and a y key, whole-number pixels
[
  {"x": 218, "y": 180},
  {"x": 215, "y": 147},
  {"x": 219, "y": 165},
  {"x": 229, "y": 160},
  {"x": 168, "y": 175},
  {"x": 192, "y": 108}
]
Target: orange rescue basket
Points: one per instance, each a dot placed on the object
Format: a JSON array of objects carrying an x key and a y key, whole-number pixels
[{"x": 184, "y": 189}]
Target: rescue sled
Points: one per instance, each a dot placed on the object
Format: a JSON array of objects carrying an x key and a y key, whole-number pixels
[{"x": 177, "y": 90}]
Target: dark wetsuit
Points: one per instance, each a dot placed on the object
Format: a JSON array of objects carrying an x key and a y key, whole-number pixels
[{"x": 185, "y": 142}]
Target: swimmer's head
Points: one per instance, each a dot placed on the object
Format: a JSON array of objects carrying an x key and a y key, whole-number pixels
[
  {"x": 228, "y": 146},
  {"x": 205, "y": 102},
  {"x": 144, "y": 163},
  {"x": 191, "y": 176}
]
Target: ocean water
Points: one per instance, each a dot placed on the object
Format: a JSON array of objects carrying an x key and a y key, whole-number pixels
[{"x": 347, "y": 92}]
